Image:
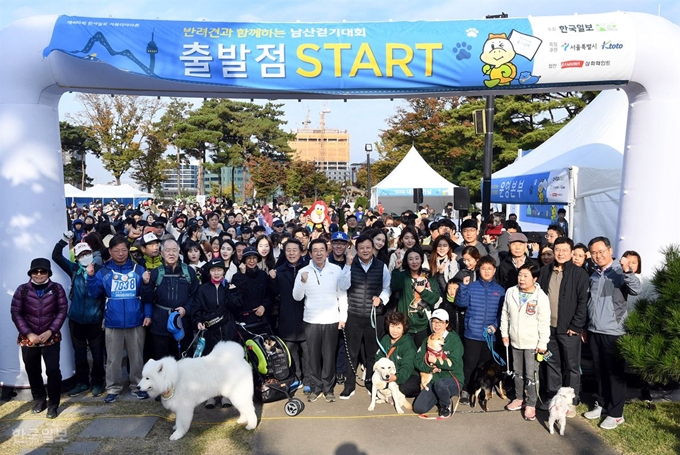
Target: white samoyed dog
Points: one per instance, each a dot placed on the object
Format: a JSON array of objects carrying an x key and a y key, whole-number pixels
[{"x": 186, "y": 383}]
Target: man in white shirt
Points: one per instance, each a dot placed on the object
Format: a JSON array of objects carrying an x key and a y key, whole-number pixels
[{"x": 325, "y": 312}]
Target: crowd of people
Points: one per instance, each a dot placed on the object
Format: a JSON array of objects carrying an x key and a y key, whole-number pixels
[{"x": 360, "y": 286}]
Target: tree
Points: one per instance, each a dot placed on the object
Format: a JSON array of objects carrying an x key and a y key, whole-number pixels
[
  {"x": 266, "y": 174},
  {"x": 652, "y": 343},
  {"x": 442, "y": 131},
  {"x": 149, "y": 166},
  {"x": 76, "y": 142},
  {"x": 304, "y": 180},
  {"x": 119, "y": 124},
  {"x": 170, "y": 127}
]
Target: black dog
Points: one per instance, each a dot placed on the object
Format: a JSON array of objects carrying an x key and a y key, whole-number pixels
[{"x": 486, "y": 379}]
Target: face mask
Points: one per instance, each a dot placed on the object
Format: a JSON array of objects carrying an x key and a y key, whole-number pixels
[{"x": 85, "y": 260}]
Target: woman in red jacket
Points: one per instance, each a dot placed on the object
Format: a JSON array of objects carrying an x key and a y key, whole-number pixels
[{"x": 39, "y": 310}]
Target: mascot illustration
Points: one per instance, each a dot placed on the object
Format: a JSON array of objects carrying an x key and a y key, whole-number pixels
[
  {"x": 497, "y": 55},
  {"x": 317, "y": 215}
]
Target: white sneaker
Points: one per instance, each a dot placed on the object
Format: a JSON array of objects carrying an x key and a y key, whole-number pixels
[
  {"x": 594, "y": 413},
  {"x": 611, "y": 422}
]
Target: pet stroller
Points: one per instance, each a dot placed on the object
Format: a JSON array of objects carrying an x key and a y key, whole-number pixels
[{"x": 273, "y": 370}]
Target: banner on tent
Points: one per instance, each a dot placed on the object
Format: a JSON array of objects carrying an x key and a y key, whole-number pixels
[
  {"x": 359, "y": 58},
  {"x": 542, "y": 188},
  {"x": 409, "y": 192}
]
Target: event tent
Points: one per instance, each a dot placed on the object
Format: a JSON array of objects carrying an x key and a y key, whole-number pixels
[
  {"x": 395, "y": 192},
  {"x": 579, "y": 168},
  {"x": 123, "y": 194},
  {"x": 72, "y": 193}
]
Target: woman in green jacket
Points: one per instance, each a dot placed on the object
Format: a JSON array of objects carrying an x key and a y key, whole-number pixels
[
  {"x": 419, "y": 293},
  {"x": 402, "y": 351}
]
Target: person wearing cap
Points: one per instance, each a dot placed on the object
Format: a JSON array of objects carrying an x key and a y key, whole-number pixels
[
  {"x": 325, "y": 311},
  {"x": 247, "y": 235},
  {"x": 256, "y": 287},
  {"x": 125, "y": 317},
  {"x": 482, "y": 299},
  {"x": 171, "y": 287},
  {"x": 367, "y": 282},
  {"x": 150, "y": 246},
  {"x": 470, "y": 231},
  {"x": 338, "y": 256},
  {"x": 38, "y": 311},
  {"x": 567, "y": 287},
  {"x": 519, "y": 255},
  {"x": 177, "y": 226},
  {"x": 85, "y": 316},
  {"x": 447, "y": 371}
]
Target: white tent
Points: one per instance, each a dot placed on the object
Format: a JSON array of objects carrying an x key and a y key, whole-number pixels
[
  {"x": 579, "y": 167},
  {"x": 395, "y": 191},
  {"x": 71, "y": 192},
  {"x": 124, "y": 194}
]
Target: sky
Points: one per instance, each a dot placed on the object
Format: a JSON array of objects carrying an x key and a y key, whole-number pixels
[{"x": 364, "y": 119}]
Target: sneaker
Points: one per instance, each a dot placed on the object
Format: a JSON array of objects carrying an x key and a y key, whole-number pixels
[
  {"x": 312, "y": 397},
  {"x": 571, "y": 412},
  {"x": 464, "y": 397},
  {"x": 347, "y": 392},
  {"x": 340, "y": 378},
  {"x": 39, "y": 406},
  {"x": 306, "y": 390},
  {"x": 97, "y": 390},
  {"x": 330, "y": 398},
  {"x": 110, "y": 398},
  {"x": 78, "y": 389},
  {"x": 52, "y": 412},
  {"x": 226, "y": 403},
  {"x": 594, "y": 413},
  {"x": 445, "y": 412},
  {"x": 210, "y": 404},
  {"x": 611, "y": 422},
  {"x": 529, "y": 413},
  {"x": 140, "y": 394},
  {"x": 544, "y": 406},
  {"x": 515, "y": 405}
]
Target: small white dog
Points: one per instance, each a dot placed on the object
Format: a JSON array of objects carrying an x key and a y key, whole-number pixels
[
  {"x": 559, "y": 406},
  {"x": 186, "y": 383},
  {"x": 386, "y": 391}
]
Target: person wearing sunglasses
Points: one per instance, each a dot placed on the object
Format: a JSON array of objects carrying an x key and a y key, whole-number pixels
[{"x": 38, "y": 311}]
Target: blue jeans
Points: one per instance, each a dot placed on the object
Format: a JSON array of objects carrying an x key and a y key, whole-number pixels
[{"x": 440, "y": 393}]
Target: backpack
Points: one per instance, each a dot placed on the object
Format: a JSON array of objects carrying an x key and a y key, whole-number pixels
[{"x": 161, "y": 274}]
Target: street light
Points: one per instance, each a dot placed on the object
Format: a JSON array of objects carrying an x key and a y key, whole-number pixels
[{"x": 369, "y": 149}]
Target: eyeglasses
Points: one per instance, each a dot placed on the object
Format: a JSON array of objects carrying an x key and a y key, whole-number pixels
[
  {"x": 39, "y": 272},
  {"x": 598, "y": 253},
  {"x": 119, "y": 251}
]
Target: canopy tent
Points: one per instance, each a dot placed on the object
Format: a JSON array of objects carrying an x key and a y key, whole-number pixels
[
  {"x": 123, "y": 194},
  {"x": 395, "y": 192},
  {"x": 71, "y": 193},
  {"x": 579, "y": 167}
]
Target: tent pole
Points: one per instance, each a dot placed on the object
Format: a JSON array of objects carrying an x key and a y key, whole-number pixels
[
  {"x": 488, "y": 159},
  {"x": 573, "y": 175}
]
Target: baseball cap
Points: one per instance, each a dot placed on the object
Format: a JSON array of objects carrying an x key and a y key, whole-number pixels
[
  {"x": 440, "y": 314},
  {"x": 250, "y": 251},
  {"x": 81, "y": 247},
  {"x": 277, "y": 222},
  {"x": 149, "y": 237},
  {"x": 341, "y": 236},
  {"x": 175, "y": 326},
  {"x": 517, "y": 237}
]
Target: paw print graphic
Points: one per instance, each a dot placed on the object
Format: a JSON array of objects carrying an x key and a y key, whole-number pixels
[
  {"x": 462, "y": 51},
  {"x": 472, "y": 32}
]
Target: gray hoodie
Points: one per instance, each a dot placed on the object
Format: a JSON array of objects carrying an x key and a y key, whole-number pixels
[{"x": 607, "y": 307}]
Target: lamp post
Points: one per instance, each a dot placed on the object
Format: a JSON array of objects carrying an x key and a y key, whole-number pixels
[{"x": 369, "y": 149}]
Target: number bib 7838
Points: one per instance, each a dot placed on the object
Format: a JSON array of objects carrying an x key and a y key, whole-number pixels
[{"x": 124, "y": 286}]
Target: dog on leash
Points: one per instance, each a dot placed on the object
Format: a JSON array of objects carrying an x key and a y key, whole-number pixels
[
  {"x": 485, "y": 379},
  {"x": 559, "y": 406},
  {"x": 385, "y": 391},
  {"x": 435, "y": 345},
  {"x": 186, "y": 383}
]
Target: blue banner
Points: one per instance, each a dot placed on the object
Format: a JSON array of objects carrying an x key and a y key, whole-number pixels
[
  {"x": 360, "y": 58},
  {"x": 541, "y": 188}
]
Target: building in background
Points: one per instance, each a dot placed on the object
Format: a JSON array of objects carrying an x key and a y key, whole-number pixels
[
  {"x": 188, "y": 175},
  {"x": 189, "y": 181},
  {"x": 327, "y": 148},
  {"x": 222, "y": 181}
]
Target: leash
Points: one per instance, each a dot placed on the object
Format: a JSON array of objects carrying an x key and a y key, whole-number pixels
[
  {"x": 196, "y": 337},
  {"x": 349, "y": 358},
  {"x": 374, "y": 324},
  {"x": 490, "y": 340}
]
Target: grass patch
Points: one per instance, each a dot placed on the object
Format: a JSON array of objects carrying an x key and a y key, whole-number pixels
[{"x": 650, "y": 429}]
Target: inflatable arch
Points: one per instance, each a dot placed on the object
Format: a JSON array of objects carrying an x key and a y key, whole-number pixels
[{"x": 44, "y": 57}]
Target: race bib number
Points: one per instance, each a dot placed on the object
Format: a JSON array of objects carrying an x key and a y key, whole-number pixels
[{"x": 124, "y": 286}]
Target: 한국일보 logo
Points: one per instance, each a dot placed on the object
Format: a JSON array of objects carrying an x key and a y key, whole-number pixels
[
  {"x": 572, "y": 64},
  {"x": 610, "y": 45}
]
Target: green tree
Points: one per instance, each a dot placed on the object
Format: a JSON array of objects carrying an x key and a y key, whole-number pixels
[
  {"x": 76, "y": 142},
  {"x": 306, "y": 182},
  {"x": 120, "y": 124},
  {"x": 652, "y": 343},
  {"x": 266, "y": 174},
  {"x": 170, "y": 127},
  {"x": 442, "y": 131},
  {"x": 149, "y": 166}
]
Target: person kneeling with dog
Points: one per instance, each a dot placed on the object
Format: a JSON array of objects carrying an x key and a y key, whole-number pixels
[
  {"x": 445, "y": 365},
  {"x": 402, "y": 351}
]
